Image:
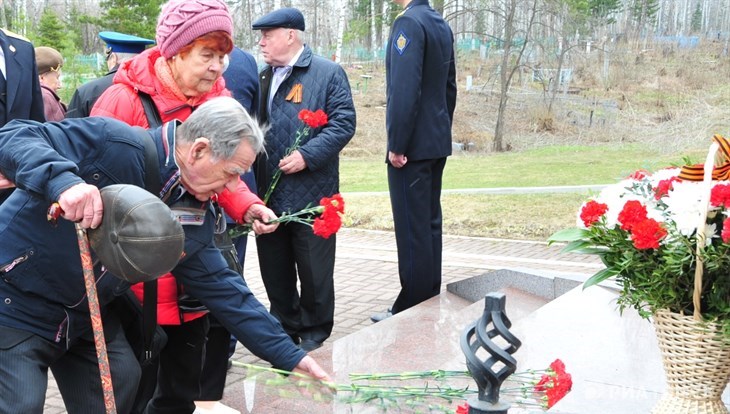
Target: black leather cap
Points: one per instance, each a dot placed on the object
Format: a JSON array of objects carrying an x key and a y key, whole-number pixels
[
  {"x": 139, "y": 239},
  {"x": 288, "y": 17}
]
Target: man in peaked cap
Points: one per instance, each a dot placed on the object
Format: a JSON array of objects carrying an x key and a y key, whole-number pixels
[
  {"x": 296, "y": 79},
  {"x": 120, "y": 47},
  {"x": 288, "y": 18}
]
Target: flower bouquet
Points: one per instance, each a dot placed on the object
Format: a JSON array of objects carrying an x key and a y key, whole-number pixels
[
  {"x": 665, "y": 239},
  {"x": 418, "y": 391},
  {"x": 325, "y": 218}
]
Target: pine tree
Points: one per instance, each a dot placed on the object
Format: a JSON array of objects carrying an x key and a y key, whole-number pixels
[{"x": 696, "y": 24}]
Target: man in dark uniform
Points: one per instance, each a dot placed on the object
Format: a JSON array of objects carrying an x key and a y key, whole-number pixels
[
  {"x": 421, "y": 97},
  {"x": 120, "y": 47}
]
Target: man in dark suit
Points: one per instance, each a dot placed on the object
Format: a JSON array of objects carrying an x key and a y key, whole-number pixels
[
  {"x": 120, "y": 47},
  {"x": 421, "y": 97},
  {"x": 20, "y": 89}
]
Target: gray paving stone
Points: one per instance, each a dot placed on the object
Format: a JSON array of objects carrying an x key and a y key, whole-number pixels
[{"x": 366, "y": 279}]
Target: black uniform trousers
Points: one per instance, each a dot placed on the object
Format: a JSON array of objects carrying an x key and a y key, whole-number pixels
[
  {"x": 290, "y": 250},
  {"x": 415, "y": 197},
  {"x": 26, "y": 357}
]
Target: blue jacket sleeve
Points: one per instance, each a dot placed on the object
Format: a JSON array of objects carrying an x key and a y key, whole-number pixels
[
  {"x": 206, "y": 276},
  {"x": 30, "y": 156}
]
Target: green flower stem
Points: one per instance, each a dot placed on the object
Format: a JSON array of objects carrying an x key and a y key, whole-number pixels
[
  {"x": 436, "y": 374},
  {"x": 392, "y": 395},
  {"x": 302, "y": 216},
  {"x": 301, "y": 133}
]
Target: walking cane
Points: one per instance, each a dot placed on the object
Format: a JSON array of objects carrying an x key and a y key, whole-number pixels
[{"x": 54, "y": 212}]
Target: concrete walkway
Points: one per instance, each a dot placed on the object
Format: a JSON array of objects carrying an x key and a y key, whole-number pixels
[{"x": 366, "y": 278}]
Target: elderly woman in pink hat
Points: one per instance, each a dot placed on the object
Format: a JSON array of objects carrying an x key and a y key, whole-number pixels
[
  {"x": 180, "y": 73},
  {"x": 184, "y": 69}
]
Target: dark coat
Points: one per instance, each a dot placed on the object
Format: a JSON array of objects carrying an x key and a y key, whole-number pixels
[
  {"x": 324, "y": 86},
  {"x": 421, "y": 84},
  {"x": 86, "y": 95},
  {"x": 23, "y": 91},
  {"x": 42, "y": 289},
  {"x": 242, "y": 79}
]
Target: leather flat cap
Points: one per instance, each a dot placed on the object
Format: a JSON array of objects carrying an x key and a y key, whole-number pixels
[
  {"x": 139, "y": 239},
  {"x": 288, "y": 18}
]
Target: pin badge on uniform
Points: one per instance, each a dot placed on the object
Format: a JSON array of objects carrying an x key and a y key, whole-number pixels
[{"x": 401, "y": 42}]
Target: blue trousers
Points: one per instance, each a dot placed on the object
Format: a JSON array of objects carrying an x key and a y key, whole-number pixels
[
  {"x": 25, "y": 359},
  {"x": 415, "y": 197}
]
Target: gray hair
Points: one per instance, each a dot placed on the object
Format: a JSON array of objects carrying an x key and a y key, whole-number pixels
[{"x": 225, "y": 123}]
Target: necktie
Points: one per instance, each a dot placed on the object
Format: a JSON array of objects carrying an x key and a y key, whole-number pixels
[{"x": 280, "y": 73}]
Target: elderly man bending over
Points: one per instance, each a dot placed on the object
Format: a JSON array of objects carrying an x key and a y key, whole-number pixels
[{"x": 44, "y": 316}]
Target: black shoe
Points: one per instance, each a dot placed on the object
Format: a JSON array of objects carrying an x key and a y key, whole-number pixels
[
  {"x": 309, "y": 345},
  {"x": 377, "y": 317}
]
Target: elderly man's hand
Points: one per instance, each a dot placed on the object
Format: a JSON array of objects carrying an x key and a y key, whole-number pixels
[
  {"x": 292, "y": 163},
  {"x": 5, "y": 183},
  {"x": 258, "y": 215},
  {"x": 82, "y": 204},
  {"x": 309, "y": 366}
]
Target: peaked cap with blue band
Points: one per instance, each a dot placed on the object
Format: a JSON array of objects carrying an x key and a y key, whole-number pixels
[
  {"x": 287, "y": 17},
  {"x": 124, "y": 43}
]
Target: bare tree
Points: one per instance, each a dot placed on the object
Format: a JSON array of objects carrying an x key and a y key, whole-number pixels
[{"x": 511, "y": 64}]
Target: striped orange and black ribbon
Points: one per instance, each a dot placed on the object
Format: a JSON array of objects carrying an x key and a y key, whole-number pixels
[
  {"x": 721, "y": 171},
  {"x": 295, "y": 94}
]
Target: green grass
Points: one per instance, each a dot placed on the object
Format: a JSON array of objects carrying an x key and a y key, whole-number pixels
[
  {"x": 519, "y": 216},
  {"x": 547, "y": 166}
]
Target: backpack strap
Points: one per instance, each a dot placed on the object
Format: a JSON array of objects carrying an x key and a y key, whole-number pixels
[
  {"x": 151, "y": 184},
  {"x": 150, "y": 110}
]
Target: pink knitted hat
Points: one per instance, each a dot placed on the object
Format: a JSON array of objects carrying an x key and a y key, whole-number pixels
[{"x": 182, "y": 21}]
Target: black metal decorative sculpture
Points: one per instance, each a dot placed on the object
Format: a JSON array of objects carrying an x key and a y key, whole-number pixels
[{"x": 493, "y": 323}]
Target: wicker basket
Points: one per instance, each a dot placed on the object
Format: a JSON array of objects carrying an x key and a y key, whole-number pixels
[
  {"x": 696, "y": 364},
  {"x": 695, "y": 356}
]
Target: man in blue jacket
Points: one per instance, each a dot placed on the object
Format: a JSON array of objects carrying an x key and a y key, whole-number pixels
[
  {"x": 296, "y": 79},
  {"x": 420, "y": 79},
  {"x": 44, "y": 317}
]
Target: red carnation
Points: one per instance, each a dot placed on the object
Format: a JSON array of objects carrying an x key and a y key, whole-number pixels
[
  {"x": 555, "y": 384},
  {"x": 592, "y": 212},
  {"x": 327, "y": 224},
  {"x": 725, "y": 230},
  {"x": 646, "y": 234},
  {"x": 638, "y": 175},
  {"x": 664, "y": 187},
  {"x": 335, "y": 202},
  {"x": 632, "y": 213},
  {"x": 463, "y": 409},
  {"x": 720, "y": 196},
  {"x": 314, "y": 119}
]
